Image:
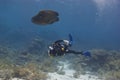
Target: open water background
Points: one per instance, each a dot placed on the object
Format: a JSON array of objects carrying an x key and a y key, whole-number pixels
[{"x": 93, "y": 23}]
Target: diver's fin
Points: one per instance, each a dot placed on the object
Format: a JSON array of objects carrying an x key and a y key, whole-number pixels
[{"x": 70, "y": 39}]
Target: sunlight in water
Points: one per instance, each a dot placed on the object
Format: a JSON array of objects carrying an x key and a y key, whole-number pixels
[
  {"x": 105, "y": 4},
  {"x": 100, "y": 4}
]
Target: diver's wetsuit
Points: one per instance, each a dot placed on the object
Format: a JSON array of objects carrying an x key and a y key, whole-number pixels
[{"x": 59, "y": 48}]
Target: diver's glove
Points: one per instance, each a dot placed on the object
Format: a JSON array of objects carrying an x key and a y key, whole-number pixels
[{"x": 87, "y": 53}]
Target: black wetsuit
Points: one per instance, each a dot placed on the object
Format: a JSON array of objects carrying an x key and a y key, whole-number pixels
[{"x": 60, "y": 48}]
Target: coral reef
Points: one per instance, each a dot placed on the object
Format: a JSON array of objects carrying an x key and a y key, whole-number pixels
[
  {"x": 102, "y": 62},
  {"x": 34, "y": 64},
  {"x": 113, "y": 75},
  {"x": 29, "y": 71},
  {"x": 48, "y": 65},
  {"x": 29, "y": 64},
  {"x": 34, "y": 52},
  {"x": 37, "y": 46}
]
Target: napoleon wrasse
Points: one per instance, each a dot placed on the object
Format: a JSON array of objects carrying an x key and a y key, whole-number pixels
[{"x": 45, "y": 17}]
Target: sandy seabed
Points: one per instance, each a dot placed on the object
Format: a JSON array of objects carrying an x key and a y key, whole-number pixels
[{"x": 69, "y": 74}]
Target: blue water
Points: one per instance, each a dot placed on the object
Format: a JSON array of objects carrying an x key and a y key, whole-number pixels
[{"x": 93, "y": 25}]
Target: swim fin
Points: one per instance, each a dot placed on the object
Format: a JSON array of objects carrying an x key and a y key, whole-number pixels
[{"x": 70, "y": 39}]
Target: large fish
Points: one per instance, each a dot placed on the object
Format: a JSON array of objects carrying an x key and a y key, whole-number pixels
[{"x": 45, "y": 17}]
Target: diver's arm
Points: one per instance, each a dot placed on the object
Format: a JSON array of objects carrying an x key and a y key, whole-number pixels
[{"x": 74, "y": 52}]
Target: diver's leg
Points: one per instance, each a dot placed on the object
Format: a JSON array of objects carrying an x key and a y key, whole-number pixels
[{"x": 74, "y": 52}]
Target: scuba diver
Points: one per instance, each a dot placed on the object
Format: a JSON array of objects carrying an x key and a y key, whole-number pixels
[{"x": 61, "y": 47}]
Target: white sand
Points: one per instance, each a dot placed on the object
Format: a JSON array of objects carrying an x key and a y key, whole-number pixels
[
  {"x": 17, "y": 79},
  {"x": 69, "y": 74}
]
